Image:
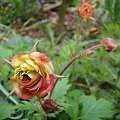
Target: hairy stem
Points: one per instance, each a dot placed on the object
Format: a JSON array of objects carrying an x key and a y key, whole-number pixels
[{"x": 72, "y": 61}]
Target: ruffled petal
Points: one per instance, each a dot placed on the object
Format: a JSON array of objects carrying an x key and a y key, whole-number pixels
[
  {"x": 25, "y": 94},
  {"x": 21, "y": 92},
  {"x": 48, "y": 67},
  {"x": 26, "y": 66},
  {"x": 35, "y": 66},
  {"x": 44, "y": 92},
  {"x": 19, "y": 59},
  {"x": 37, "y": 56}
]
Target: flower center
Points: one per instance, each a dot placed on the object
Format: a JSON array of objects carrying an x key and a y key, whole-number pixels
[
  {"x": 86, "y": 9},
  {"x": 24, "y": 77}
]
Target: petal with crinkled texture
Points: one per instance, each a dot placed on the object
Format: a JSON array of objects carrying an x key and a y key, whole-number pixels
[
  {"x": 27, "y": 66},
  {"x": 30, "y": 62},
  {"x": 23, "y": 93},
  {"x": 48, "y": 68},
  {"x": 41, "y": 58},
  {"x": 37, "y": 56},
  {"x": 33, "y": 75},
  {"x": 44, "y": 92},
  {"x": 19, "y": 59}
]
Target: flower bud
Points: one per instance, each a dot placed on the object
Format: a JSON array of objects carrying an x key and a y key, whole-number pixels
[
  {"x": 50, "y": 106},
  {"x": 109, "y": 44},
  {"x": 93, "y": 32},
  {"x": 89, "y": 52}
]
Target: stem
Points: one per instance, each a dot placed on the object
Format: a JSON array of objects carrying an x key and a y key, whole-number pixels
[
  {"x": 78, "y": 33},
  {"x": 71, "y": 62},
  {"x": 65, "y": 68},
  {"x": 95, "y": 47}
]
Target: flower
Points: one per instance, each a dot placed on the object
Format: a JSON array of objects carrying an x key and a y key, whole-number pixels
[
  {"x": 86, "y": 10},
  {"x": 33, "y": 75},
  {"x": 109, "y": 44},
  {"x": 6, "y": 6},
  {"x": 50, "y": 106}
]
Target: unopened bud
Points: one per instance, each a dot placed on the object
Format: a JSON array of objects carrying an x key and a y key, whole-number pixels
[
  {"x": 109, "y": 44},
  {"x": 50, "y": 106},
  {"x": 89, "y": 52},
  {"x": 92, "y": 30}
]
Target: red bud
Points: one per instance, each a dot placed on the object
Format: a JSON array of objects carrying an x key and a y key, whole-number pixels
[
  {"x": 109, "y": 44},
  {"x": 50, "y": 106}
]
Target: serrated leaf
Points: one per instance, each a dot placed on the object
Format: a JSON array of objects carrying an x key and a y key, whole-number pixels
[
  {"x": 72, "y": 100},
  {"x": 28, "y": 106},
  {"x": 6, "y": 109},
  {"x": 95, "y": 109},
  {"x": 60, "y": 90}
]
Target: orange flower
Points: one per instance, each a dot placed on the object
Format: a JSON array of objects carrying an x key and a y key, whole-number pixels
[
  {"x": 86, "y": 10},
  {"x": 33, "y": 75}
]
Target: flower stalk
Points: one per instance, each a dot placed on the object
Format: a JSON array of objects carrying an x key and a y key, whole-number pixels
[
  {"x": 81, "y": 55},
  {"x": 110, "y": 44}
]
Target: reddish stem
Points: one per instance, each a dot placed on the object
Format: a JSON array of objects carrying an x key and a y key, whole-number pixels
[{"x": 73, "y": 60}]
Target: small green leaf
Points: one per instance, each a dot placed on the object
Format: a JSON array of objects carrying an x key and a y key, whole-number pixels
[
  {"x": 60, "y": 90},
  {"x": 95, "y": 109},
  {"x": 73, "y": 101},
  {"x": 6, "y": 109},
  {"x": 28, "y": 106}
]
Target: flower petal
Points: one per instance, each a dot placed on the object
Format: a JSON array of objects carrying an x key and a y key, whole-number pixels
[
  {"x": 24, "y": 94},
  {"x": 26, "y": 66},
  {"x": 43, "y": 93},
  {"x": 19, "y": 59},
  {"x": 30, "y": 62},
  {"x": 37, "y": 56}
]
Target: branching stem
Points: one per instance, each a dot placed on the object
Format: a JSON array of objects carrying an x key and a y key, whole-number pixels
[{"x": 72, "y": 61}]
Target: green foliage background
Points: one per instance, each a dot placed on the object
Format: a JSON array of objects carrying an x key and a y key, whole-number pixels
[{"x": 91, "y": 90}]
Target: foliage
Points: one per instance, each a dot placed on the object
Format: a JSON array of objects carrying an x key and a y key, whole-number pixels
[
  {"x": 17, "y": 10},
  {"x": 91, "y": 89},
  {"x": 95, "y": 109},
  {"x": 113, "y": 6},
  {"x": 26, "y": 106},
  {"x": 6, "y": 109},
  {"x": 60, "y": 91},
  {"x": 75, "y": 2}
]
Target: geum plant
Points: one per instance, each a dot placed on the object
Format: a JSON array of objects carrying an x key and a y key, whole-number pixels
[{"x": 34, "y": 72}]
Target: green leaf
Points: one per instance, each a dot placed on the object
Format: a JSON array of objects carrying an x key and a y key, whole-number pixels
[
  {"x": 28, "y": 106},
  {"x": 73, "y": 101},
  {"x": 60, "y": 90},
  {"x": 117, "y": 11},
  {"x": 95, "y": 109},
  {"x": 6, "y": 109},
  {"x": 4, "y": 50}
]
